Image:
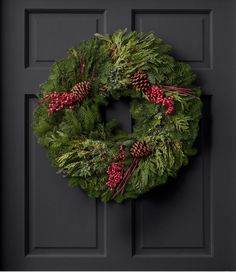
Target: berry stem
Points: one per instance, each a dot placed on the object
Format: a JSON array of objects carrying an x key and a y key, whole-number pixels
[
  {"x": 82, "y": 67},
  {"x": 127, "y": 174},
  {"x": 135, "y": 164},
  {"x": 180, "y": 90}
]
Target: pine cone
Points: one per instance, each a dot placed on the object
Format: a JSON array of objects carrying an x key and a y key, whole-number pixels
[
  {"x": 81, "y": 90},
  {"x": 139, "y": 149},
  {"x": 140, "y": 81}
]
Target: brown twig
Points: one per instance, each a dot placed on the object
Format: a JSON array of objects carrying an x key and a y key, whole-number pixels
[
  {"x": 136, "y": 161},
  {"x": 82, "y": 67},
  {"x": 128, "y": 173},
  {"x": 180, "y": 90}
]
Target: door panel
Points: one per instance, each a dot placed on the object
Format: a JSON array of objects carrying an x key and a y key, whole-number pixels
[
  {"x": 189, "y": 223},
  {"x": 187, "y": 30},
  {"x": 50, "y": 32}
]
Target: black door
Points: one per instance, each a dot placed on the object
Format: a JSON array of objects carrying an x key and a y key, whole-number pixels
[{"x": 188, "y": 224}]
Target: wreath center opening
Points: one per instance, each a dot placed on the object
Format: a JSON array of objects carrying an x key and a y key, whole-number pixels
[{"x": 119, "y": 110}]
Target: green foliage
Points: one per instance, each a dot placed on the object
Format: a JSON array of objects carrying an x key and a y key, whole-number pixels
[
  {"x": 83, "y": 157},
  {"x": 81, "y": 145},
  {"x": 132, "y": 51}
]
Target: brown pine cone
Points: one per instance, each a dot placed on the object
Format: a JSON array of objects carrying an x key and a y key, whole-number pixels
[
  {"x": 140, "y": 81},
  {"x": 81, "y": 90},
  {"x": 140, "y": 149}
]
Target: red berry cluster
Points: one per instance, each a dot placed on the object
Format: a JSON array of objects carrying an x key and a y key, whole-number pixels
[
  {"x": 169, "y": 103},
  {"x": 115, "y": 171},
  {"x": 57, "y": 101},
  {"x": 156, "y": 95},
  {"x": 115, "y": 174}
]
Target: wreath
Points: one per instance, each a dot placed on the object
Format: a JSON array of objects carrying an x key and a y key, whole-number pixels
[{"x": 105, "y": 161}]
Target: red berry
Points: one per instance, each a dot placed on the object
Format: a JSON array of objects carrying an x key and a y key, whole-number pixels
[
  {"x": 115, "y": 175},
  {"x": 156, "y": 95},
  {"x": 57, "y": 101}
]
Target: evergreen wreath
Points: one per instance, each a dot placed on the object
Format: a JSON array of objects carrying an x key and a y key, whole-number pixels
[{"x": 102, "y": 159}]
